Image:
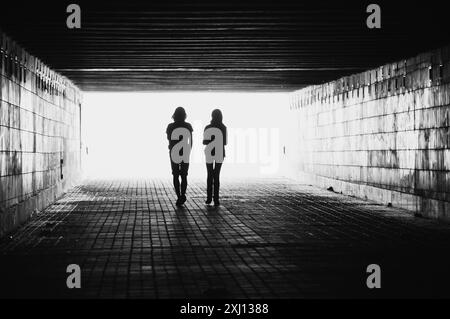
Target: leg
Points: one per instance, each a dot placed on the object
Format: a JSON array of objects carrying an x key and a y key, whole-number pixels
[
  {"x": 184, "y": 182},
  {"x": 176, "y": 185},
  {"x": 209, "y": 183},
  {"x": 184, "y": 173},
  {"x": 217, "y": 168},
  {"x": 176, "y": 174}
]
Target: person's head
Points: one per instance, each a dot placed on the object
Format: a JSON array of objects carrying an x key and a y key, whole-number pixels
[
  {"x": 179, "y": 115},
  {"x": 216, "y": 116}
]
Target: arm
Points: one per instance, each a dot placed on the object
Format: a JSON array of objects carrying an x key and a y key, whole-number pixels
[
  {"x": 205, "y": 142},
  {"x": 168, "y": 133},
  {"x": 225, "y": 136}
]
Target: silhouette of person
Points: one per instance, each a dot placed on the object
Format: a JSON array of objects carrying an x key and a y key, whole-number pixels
[
  {"x": 215, "y": 139},
  {"x": 179, "y": 135}
]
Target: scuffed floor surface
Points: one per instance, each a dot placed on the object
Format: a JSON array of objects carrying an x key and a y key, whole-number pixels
[{"x": 269, "y": 239}]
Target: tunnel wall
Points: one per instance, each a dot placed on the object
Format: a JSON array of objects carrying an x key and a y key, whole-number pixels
[
  {"x": 39, "y": 135},
  {"x": 382, "y": 134}
]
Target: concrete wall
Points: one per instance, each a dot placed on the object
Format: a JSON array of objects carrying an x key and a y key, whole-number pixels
[
  {"x": 39, "y": 135},
  {"x": 382, "y": 134}
]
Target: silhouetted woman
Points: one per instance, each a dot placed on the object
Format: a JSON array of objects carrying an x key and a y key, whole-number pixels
[
  {"x": 214, "y": 137},
  {"x": 179, "y": 160}
]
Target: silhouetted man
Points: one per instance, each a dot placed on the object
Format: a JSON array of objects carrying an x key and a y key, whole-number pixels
[
  {"x": 215, "y": 139},
  {"x": 179, "y": 134}
]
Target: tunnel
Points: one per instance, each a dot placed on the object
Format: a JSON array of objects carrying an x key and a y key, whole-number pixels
[{"x": 336, "y": 180}]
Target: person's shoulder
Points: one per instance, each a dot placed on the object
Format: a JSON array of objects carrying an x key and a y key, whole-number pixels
[
  {"x": 208, "y": 126},
  {"x": 189, "y": 126}
]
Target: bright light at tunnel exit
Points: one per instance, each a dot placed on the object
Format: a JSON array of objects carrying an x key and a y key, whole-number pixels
[{"x": 124, "y": 133}]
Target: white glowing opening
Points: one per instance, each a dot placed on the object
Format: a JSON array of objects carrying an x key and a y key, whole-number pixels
[{"x": 124, "y": 133}]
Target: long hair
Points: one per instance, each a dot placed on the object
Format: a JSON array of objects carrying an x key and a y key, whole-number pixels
[
  {"x": 216, "y": 117},
  {"x": 179, "y": 115}
]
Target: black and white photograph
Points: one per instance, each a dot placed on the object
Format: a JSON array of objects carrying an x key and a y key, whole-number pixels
[{"x": 224, "y": 155}]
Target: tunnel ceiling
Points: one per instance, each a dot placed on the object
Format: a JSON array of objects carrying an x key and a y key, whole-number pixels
[{"x": 220, "y": 45}]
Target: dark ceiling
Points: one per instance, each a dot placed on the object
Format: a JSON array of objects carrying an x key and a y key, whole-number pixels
[{"x": 220, "y": 45}]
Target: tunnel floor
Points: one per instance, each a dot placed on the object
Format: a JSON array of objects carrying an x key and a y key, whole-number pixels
[{"x": 270, "y": 239}]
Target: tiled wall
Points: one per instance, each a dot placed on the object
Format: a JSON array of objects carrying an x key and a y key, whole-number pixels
[
  {"x": 382, "y": 134},
  {"x": 39, "y": 135}
]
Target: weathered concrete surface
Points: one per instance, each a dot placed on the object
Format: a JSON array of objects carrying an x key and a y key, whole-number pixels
[
  {"x": 39, "y": 135},
  {"x": 270, "y": 238},
  {"x": 383, "y": 134}
]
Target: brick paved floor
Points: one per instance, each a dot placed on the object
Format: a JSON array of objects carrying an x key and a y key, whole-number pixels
[{"x": 269, "y": 239}]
